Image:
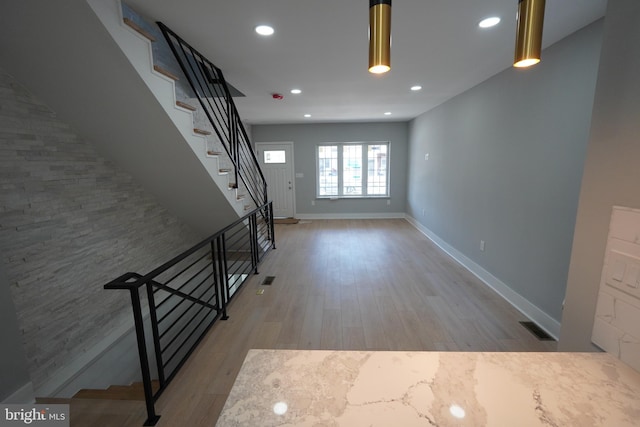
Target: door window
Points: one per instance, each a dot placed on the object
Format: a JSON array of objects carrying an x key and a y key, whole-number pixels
[{"x": 275, "y": 156}]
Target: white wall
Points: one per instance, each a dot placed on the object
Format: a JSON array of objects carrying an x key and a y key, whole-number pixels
[{"x": 612, "y": 168}]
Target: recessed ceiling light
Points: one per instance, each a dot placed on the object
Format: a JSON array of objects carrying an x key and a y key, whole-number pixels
[
  {"x": 264, "y": 30},
  {"x": 388, "y": 113},
  {"x": 296, "y": 91},
  {"x": 489, "y": 22},
  {"x": 416, "y": 88},
  {"x": 307, "y": 115}
]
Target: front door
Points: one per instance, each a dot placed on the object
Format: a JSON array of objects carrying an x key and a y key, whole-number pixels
[{"x": 276, "y": 161}]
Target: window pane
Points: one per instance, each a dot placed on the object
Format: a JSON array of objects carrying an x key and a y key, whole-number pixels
[
  {"x": 328, "y": 170},
  {"x": 352, "y": 170},
  {"x": 274, "y": 156},
  {"x": 377, "y": 170}
]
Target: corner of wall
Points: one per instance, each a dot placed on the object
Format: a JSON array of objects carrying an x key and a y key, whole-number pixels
[{"x": 546, "y": 322}]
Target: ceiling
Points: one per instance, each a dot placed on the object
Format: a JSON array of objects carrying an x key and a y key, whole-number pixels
[{"x": 321, "y": 47}]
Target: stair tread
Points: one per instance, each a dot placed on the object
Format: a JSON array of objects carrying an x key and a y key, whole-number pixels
[
  {"x": 201, "y": 131},
  {"x": 134, "y": 391},
  {"x": 105, "y": 394},
  {"x": 166, "y": 73},
  {"x": 123, "y": 388},
  {"x": 139, "y": 29},
  {"x": 186, "y": 106}
]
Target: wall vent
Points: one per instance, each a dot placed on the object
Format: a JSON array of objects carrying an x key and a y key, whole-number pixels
[
  {"x": 537, "y": 331},
  {"x": 268, "y": 280}
]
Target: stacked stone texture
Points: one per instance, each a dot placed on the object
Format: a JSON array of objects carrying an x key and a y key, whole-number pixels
[{"x": 70, "y": 221}]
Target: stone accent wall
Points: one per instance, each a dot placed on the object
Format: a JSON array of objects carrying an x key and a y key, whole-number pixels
[{"x": 70, "y": 221}]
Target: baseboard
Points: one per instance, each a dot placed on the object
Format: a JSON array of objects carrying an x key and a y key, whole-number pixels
[
  {"x": 24, "y": 395},
  {"x": 373, "y": 215},
  {"x": 546, "y": 322},
  {"x": 65, "y": 377}
]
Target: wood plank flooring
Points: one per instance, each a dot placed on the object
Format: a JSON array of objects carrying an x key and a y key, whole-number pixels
[{"x": 343, "y": 285}]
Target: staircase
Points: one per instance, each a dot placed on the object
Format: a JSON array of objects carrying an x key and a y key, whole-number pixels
[
  {"x": 218, "y": 117},
  {"x": 116, "y": 406},
  {"x": 196, "y": 121},
  {"x": 101, "y": 412},
  {"x": 133, "y": 391},
  {"x": 212, "y": 139}
]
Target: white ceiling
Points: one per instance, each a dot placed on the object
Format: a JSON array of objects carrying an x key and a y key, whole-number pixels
[{"x": 321, "y": 47}]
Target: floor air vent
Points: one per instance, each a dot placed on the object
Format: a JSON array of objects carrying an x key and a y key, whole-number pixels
[
  {"x": 537, "y": 331},
  {"x": 268, "y": 280}
]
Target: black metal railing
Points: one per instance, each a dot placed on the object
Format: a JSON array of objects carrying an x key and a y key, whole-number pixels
[
  {"x": 210, "y": 88},
  {"x": 185, "y": 296}
]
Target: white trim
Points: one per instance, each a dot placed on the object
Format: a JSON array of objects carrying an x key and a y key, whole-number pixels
[
  {"x": 546, "y": 322},
  {"x": 259, "y": 145},
  {"x": 340, "y": 171},
  {"x": 390, "y": 215},
  {"x": 23, "y": 395}
]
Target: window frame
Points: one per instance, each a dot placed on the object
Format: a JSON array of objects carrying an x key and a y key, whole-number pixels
[
  {"x": 269, "y": 162},
  {"x": 364, "y": 166}
]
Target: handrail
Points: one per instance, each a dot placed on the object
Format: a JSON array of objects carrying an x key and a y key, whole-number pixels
[
  {"x": 209, "y": 86},
  {"x": 177, "y": 329},
  {"x": 115, "y": 284}
]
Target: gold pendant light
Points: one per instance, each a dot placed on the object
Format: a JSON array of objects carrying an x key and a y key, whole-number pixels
[
  {"x": 529, "y": 32},
  {"x": 379, "y": 36}
]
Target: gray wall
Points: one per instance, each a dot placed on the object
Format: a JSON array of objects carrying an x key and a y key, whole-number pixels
[
  {"x": 611, "y": 172},
  {"x": 505, "y": 162},
  {"x": 13, "y": 363},
  {"x": 307, "y": 137},
  {"x": 70, "y": 221}
]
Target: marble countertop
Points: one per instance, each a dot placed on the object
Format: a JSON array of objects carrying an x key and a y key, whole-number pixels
[{"x": 360, "y": 388}]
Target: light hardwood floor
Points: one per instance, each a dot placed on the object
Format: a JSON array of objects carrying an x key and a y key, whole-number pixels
[{"x": 344, "y": 285}]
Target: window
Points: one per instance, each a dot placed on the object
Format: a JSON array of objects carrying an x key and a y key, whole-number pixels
[
  {"x": 353, "y": 170},
  {"x": 274, "y": 156}
]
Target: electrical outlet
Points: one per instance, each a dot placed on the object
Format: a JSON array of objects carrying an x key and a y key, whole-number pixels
[
  {"x": 388, "y": 202},
  {"x": 426, "y": 156},
  {"x": 422, "y": 211},
  {"x": 482, "y": 245},
  {"x": 313, "y": 203}
]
